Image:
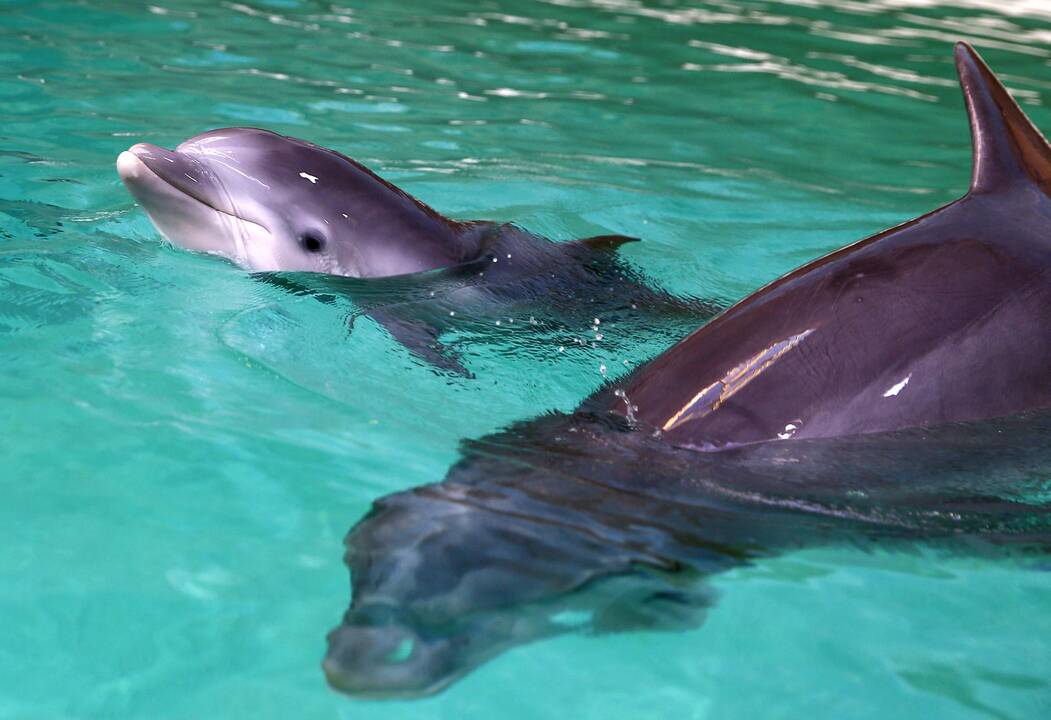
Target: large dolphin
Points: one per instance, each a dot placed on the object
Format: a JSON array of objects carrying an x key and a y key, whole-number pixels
[
  {"x": 272, "y": 203},
  {"x": 894, "y": 392}
]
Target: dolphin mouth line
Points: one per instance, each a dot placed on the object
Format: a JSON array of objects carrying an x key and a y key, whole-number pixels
[{"x": 185, "y": 191}]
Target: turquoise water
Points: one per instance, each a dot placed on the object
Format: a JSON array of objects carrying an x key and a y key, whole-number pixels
[{"x": 184, "y": 447}]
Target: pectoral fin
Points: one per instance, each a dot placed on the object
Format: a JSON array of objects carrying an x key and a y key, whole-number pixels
[{"x": 421, "y": 339}]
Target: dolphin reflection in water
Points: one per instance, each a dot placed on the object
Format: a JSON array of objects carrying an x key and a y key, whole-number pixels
[{"x": 895, "y": 392}]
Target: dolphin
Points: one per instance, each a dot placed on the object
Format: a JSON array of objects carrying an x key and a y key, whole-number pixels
[
  {"x": 304, "y": 216},
  {"x": 895, "y": 392}
]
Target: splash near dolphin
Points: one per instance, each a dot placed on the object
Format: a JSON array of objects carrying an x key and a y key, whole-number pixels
[
  {"x": 895, "y": 392},
  {"x": 312, "y": 220}
]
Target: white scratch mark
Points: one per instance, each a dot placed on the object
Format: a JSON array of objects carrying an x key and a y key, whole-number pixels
[
  {"x": 898, "y": 388},
  {"x": 214, "y": 157}
]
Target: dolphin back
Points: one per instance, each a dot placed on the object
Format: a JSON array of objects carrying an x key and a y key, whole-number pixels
[{"x": 941, "y": 319}]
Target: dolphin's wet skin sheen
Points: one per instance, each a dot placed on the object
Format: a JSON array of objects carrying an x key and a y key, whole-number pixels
[{"x": 857, "y": 400}]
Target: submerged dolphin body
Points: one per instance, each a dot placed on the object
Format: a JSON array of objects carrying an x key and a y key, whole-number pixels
[
  {"x": 571, "y": 523},
  {"x": 897, "y": 391},
  {"x": 278, "y": 205}
]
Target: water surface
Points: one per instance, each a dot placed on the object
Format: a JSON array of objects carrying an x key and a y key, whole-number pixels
[{"x": 184, "y": 447}]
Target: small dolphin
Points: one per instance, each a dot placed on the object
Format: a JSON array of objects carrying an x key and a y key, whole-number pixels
[
  {"x": 275, "y": 204},
  {"x": 894, "y": 392}
]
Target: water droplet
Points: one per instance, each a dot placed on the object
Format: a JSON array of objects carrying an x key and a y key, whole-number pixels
[{"x": 631, "y": 409}]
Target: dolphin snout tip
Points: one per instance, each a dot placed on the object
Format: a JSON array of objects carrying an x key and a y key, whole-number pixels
[
  {"x": 334, "y": 673},
  {"x": 136, "y": 158},
  {"x": 142, "y": 160},
  {"x": 129, "y": 165},
  {"x": 387, "y": 662}
]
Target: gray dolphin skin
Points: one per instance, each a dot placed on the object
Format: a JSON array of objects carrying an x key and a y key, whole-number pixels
[
  {"x": 894, "y": 393},
  {"x": 304, "y": 216}
]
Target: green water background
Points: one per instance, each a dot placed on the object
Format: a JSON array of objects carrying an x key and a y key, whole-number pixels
[{"x": 182, "y": 448}]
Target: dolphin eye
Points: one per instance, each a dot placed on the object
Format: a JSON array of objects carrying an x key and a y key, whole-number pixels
[{"x": 312, "y": 242}]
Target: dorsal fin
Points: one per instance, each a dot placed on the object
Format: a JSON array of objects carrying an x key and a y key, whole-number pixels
[
  {"x": 606, "y": 242},
  {"x": 1007, "y": 146}
]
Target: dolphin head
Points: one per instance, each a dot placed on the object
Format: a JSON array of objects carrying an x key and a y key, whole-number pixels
[
  {"x": 426, "y": 607},
  {"x": 448, "y": 576},
  {"x": 271, "y": 202}
]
